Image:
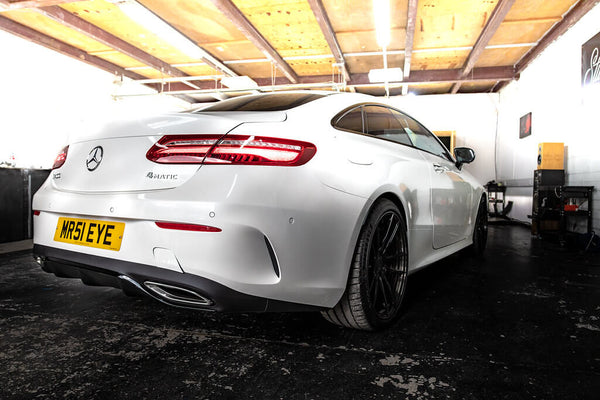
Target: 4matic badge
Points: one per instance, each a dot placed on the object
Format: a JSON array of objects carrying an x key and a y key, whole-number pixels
[{"x": 152, "y": 175}]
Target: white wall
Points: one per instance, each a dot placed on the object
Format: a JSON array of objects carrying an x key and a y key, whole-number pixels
[
  {"x": 47, "y": 99},
  {"x": 551, "y": 89},
  {"x": 472, "y": 116}
]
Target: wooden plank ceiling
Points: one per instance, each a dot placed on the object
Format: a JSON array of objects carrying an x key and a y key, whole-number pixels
[{"x": 443, "y": 46}]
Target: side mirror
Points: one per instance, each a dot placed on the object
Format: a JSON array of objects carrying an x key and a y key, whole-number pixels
[{"x": 463, "y": 155}]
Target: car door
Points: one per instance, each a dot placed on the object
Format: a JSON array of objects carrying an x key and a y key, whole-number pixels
[
  {"x": 451, "y": 195},
  {"x": 407, "y": 169}
]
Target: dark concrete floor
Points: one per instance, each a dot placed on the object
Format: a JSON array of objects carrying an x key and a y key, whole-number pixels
[{"x": 522, "y": 323}]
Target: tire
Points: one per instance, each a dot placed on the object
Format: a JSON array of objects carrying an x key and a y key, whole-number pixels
[
  {"x": 377, "y": 278},
  {"x": 480, "y": 229}
]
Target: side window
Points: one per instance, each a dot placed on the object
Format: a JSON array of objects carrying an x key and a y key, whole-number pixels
[
  {"x": 351, "y": 121},
  {"x": 381, "y": 123},
  {"x": 421, "y": 137}
]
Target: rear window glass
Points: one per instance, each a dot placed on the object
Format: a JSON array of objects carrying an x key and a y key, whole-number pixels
[
  {"x": 270, "y": 102},
  {"x": 383, "y": 123},
  {"x": 351, "y": 121}
]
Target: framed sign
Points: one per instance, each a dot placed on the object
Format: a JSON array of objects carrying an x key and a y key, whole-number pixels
[
  {"x": 525, "y": 126},
  {"x": 447, "y": 137},
  {"x": 590, "y": 61}
]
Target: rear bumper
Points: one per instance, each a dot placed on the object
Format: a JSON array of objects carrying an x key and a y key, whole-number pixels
[
  {"x": 284, "y": 235},
  {"x": 132, "y": 278}
]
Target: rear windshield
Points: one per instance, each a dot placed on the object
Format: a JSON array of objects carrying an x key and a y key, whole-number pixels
[{"x": 268, "y": 102}]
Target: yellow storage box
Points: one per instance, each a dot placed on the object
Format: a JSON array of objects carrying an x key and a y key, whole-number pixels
[{"x": 551, "y": 156}]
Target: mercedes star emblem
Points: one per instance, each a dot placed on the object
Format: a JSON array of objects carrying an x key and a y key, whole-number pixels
[{"x": 94, "y": 158}]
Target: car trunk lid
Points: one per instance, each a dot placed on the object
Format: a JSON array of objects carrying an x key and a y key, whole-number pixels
[{"x": 114, "y": 159}]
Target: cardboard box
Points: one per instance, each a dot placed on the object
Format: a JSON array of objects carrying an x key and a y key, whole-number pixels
[{"x": 551, "y": 156}]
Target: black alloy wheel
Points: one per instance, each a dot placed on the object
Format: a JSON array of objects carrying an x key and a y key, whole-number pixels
[{"x": 378, "y": 273}]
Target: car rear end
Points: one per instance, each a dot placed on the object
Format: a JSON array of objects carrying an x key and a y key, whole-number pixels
[{"x": 219, "y": 211}]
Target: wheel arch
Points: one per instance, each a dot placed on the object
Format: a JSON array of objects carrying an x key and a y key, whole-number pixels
[
  {"x": 389, "y": 192},
  {"x": 480, "y": 196},
  {"x": 394, "y": 199}
]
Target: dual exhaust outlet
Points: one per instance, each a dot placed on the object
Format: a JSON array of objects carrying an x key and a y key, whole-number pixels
[{"x": 170, "y": 294}]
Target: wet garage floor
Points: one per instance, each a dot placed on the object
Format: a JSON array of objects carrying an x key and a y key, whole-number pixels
[{"x": 522, "y": 323}]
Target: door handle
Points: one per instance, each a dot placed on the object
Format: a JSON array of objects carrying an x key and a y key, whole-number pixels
[{"x": 439, "y": 168}]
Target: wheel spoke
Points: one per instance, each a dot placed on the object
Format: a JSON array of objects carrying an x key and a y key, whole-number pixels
[
  {"x": 375, "y": 292},
  {"x": 390, "y": 233},
  {"x": 390, "y": 290},
  {"x": 385, "y": 299}
]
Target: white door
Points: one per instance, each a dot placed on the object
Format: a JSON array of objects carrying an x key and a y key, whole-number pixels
[
  {"x": 450, "y": 194},
  {"x": 450, "y": 201}
]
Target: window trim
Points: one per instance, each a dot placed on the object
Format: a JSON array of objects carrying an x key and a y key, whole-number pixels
[
  {"x": 345, "y": 112},
  {"x": 341, "y": 114}
]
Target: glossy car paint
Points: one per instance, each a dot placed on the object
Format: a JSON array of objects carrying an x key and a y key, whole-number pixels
[{"x": 311, "y": 215}]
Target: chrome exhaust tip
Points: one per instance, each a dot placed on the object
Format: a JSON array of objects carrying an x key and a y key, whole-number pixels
[{"x": 177, "y": 295}]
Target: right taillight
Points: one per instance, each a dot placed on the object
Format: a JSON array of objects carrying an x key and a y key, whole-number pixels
[
  {"x": 60, "y": 158},
  {"x": 230, "y": 149}
]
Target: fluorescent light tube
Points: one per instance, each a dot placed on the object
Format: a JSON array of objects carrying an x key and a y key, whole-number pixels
[
  {"x": 381, "y": 12},
  {"x": 163, "y": 30},
  {"x": 385, "y": 75},
  {"x": 160, "y": 28}
]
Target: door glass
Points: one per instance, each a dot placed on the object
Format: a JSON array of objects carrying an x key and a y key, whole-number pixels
[
  {"x": 421, "y": 137},
  {"x": 381, "y": 123},
  {"x": 351, "y": 121}
]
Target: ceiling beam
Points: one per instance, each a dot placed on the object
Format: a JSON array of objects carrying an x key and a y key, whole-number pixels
[
  {"x": 321, "y": 15},
  {"x": 492, "y": 25},
  {"x": 79, "y": 24},
  {"x": 66, "y": 49},
  {"x": 499, "y": 86},
  {"x": 16, "y": 5},
  {"x": 416, "y": 78},
  {"x": 63, "y": 48},
  {"x": 155, "y": 24},
  {"x": 410, "y": 38},
  {"x": 570, "y": 19},
  {"x": 241, "y": 22},
  {"x": 34, "y": 36}
]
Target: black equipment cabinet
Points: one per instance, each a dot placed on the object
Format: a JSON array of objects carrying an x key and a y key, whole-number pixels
[
  {"x": 555, "y": 205},
  {"x": 17, "y": 187},
  {"x": 545, "y": 213},
  {"x": 576, "y": 201}
]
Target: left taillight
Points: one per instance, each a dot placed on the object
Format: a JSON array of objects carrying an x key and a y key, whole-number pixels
[
  {"x": 61, "y": 158},
  {"x": 230, "y": 149}
]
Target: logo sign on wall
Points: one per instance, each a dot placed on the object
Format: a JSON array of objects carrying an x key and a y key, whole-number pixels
[{"x": 590, "y": 62}]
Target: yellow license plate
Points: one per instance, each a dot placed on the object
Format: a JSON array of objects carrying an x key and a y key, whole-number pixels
[{"x": 87, "y": 232}]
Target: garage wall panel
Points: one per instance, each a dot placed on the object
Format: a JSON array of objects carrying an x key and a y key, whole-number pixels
[{"x": 562, "y": 111}]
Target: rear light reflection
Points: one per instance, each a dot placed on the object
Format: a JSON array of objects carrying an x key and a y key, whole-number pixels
[
  {"x": 36, "y": 212},
  {"x": 231, "y": 149},
  {"x": 187, "y": 227},
  {"x": 180, "y": 149},
  {"x": 60, "y": 158}
]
